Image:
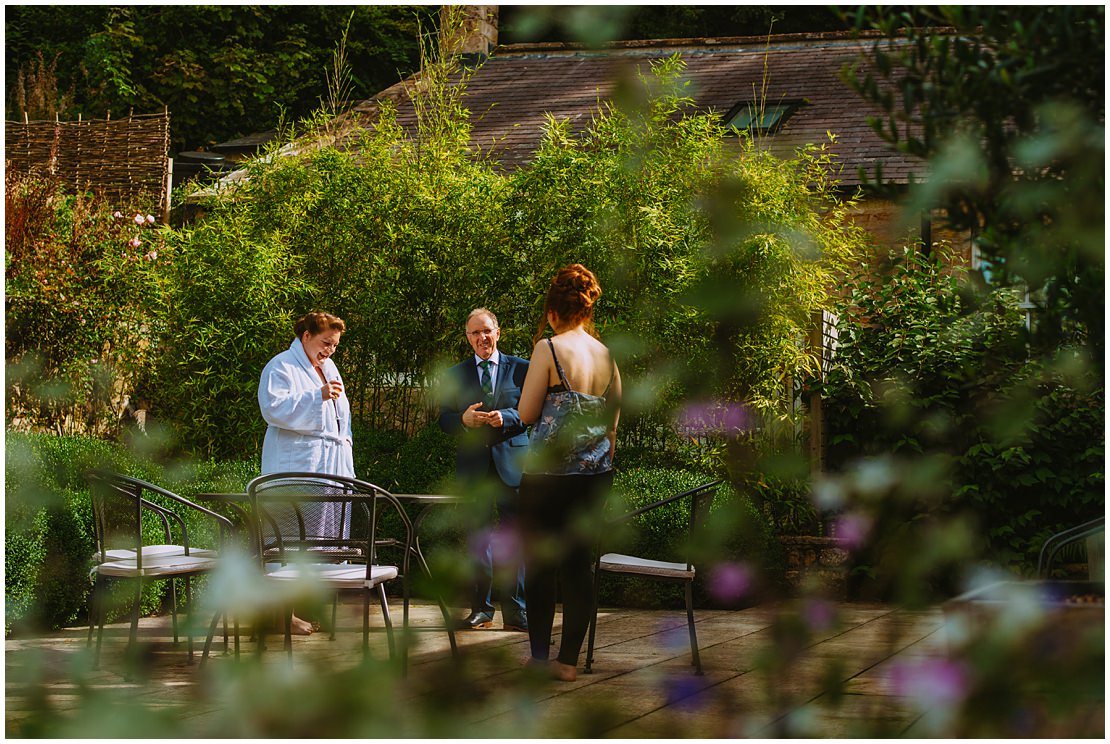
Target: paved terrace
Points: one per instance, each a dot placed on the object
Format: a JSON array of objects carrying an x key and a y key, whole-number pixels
[{"x": 642, "y": 685}]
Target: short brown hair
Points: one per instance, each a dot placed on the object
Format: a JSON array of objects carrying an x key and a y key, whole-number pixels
[
  {"x": 317, "y": 323},
  {"x": 573, "y": 292}
]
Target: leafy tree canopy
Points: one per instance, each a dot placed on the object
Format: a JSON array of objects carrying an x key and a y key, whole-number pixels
[
  {"x": 223, "y": 70},
  {"x": 522, "y": 23}
]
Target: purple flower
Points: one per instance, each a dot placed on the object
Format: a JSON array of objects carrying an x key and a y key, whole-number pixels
[
  {"x": 150, "y": 219},
  {"x": 479, "y": 542},
  {"x": 729, "y": 582},
  {"x": 702, "y": 417},
  {"x": 931, "y": 683},
  {"x": 504, "y": 544},
  {"x": 139, "y": 219},
  {"x": 853, "y": 529},
  {"x": 674, "y": 637},
  {"x": 134, "y": 242},
  {"x": 683, "y": 692},
  {"x": 819, "y": 614}
]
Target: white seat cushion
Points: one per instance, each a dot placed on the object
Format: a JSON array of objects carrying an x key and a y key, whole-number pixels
[
  {"x": 157, "y": 565},
  {"x": 349, "y": 576},
  {"x": 150, "y": 550},
  {"x": 630, "y": 564}
]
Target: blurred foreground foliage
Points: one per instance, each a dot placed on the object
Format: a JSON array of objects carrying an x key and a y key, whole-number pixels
[{"x": 949, "y": 404}]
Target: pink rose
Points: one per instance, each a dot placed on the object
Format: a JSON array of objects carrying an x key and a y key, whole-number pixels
[
  {"x": 139, "y": 219},
  {"x": 134, "y": 242},
  {"x": 117, "y": 215},
  {"x": 150, "y": 219}
]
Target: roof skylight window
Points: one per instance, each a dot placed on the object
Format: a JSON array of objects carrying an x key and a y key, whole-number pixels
[{"x": 760, "y": 118}]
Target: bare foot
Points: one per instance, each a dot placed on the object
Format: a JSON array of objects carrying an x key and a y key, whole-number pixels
[
  {"x": 563, "y": 672},
  {"x": 302, "y": 627}
]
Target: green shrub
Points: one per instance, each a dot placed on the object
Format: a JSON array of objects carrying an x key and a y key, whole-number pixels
[
  {"x": 48, "y": 521},
  {"x": 930, "y": 366},
  {"x": 76, "y": 270},
  {"x": 421, "y": 463}
]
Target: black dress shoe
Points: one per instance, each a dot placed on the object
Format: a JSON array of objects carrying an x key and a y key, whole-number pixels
[
  {"x": 474, "y": 621},
  {"x": 518, "y": 624}
]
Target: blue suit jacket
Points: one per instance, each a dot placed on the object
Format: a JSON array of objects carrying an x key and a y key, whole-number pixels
[{"x": 506, "y": 446}]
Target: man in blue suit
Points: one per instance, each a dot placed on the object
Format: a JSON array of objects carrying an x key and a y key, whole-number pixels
[{"x": 479, "y": 404}]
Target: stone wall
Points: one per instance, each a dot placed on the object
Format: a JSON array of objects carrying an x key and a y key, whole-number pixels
[{"x": 816, "y": 563}]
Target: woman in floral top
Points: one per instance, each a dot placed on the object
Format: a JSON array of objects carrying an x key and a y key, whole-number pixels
[{"x": 572, "y": 395}]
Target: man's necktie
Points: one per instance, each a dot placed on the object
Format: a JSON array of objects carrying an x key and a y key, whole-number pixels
[{"x": 487, "y": 381}]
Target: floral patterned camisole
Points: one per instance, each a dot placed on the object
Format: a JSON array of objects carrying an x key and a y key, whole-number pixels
[{"x": 571, "y": 435}]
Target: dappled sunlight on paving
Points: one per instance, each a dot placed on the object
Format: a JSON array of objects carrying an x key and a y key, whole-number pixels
[{"x": 838, "y": 682}]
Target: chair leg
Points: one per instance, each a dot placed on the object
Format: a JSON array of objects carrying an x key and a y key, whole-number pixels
[
  {"x": 189, "y": 617},
  {"x": 211, "y": 634},
  {"x": 388, "y": 620},
  {"x": 448, "y": 621},
  {"x": 690, "y": 622},
  {"x": 593, "y": 625},
  {"x": 93, "y": 596},
  {"x": 132, "y": 641},
  {"x": 260, "y": 621},
  {"x": 98, "y": 590},
  {"x": 289, "y": 633},
  {"x": 173, "y": 607},
  {"x": 365, "y": 624}
]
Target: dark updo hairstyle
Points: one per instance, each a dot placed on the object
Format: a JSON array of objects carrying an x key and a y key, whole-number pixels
[
  {"x": 573, "y": 292},
  {"x": 317, "y": 323}
]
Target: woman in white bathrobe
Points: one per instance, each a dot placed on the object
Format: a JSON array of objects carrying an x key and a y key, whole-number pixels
[{"x": 301, "y": 397}]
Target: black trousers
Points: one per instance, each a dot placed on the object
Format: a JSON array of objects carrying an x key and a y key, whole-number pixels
[{"x": 560, "y": 518}]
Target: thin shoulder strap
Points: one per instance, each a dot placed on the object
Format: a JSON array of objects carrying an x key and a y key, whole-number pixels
[
  {"x": 558, "y": 367},
  {"x": 612, "y": 374}
]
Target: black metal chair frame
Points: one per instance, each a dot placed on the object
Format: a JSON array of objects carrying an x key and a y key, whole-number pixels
[
  {"x": 1056, "y": 542},
  {"x": 701, "y": 499},
  {"x": 350, "y": 494},
  {"x": 106, "y": 485}
]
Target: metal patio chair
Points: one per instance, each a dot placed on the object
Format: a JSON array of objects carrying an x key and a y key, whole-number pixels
[
  {"x": 124, "y": 550},
  {"x": 618, "y": 564},
  {"x": 323, "y": 531}
]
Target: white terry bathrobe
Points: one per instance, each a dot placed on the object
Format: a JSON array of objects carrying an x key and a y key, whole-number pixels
[{"x": 306, "y": 433}]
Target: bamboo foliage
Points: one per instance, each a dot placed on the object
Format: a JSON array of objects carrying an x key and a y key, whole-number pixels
[{"x": 116, "y": 158}]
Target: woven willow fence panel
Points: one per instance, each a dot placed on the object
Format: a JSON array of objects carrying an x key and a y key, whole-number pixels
[{"x": 119, "y": 159}]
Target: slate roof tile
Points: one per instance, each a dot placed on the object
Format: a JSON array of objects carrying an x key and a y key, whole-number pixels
[{"x": 511, "y": 94}]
